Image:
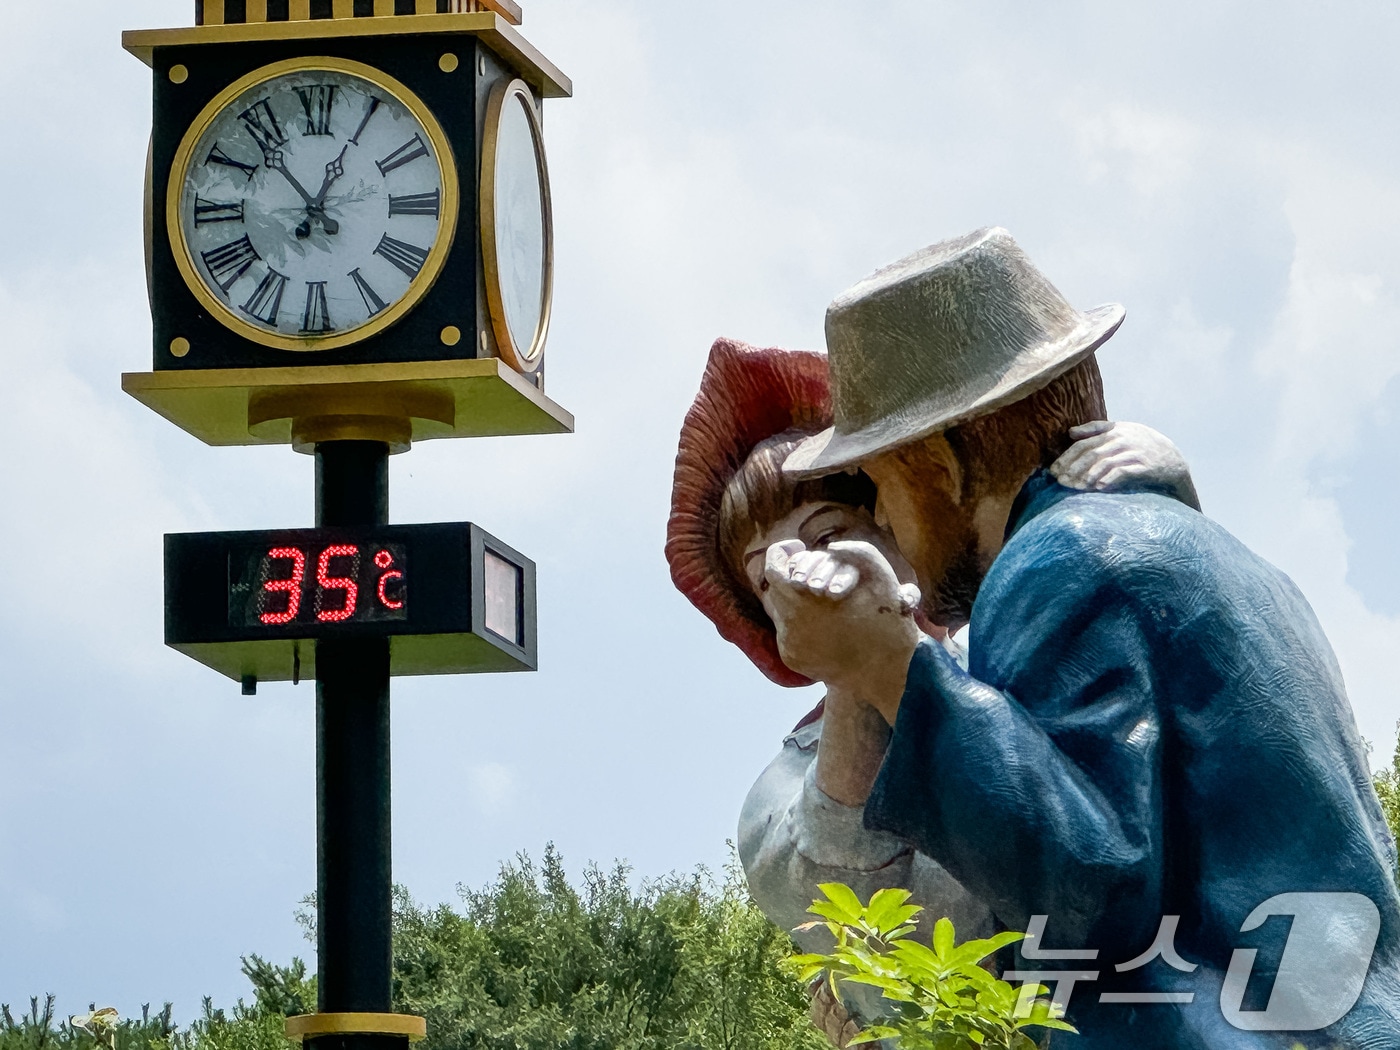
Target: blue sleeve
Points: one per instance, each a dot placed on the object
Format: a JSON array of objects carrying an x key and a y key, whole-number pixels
[{"x": 1034, "y": 778}]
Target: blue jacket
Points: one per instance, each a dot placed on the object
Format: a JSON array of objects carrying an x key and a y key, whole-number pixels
[{"x": 1152, "y": 724}]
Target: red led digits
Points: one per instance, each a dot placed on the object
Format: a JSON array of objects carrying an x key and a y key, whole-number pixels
[
  {"x": 337, "y": 583},
  {"x": 291, "y": 585},
  {"x": 383, "y": 560}
]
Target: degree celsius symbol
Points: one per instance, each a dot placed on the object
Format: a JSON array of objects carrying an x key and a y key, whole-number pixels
[{"x": 384, "y": 560}]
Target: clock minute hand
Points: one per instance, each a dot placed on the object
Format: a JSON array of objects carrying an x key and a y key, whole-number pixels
[{"x": 277, "y": 162}]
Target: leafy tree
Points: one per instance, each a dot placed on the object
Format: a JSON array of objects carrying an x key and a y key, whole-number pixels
[
  {"x": 532, "y": 963},
  {"x": 282, "y": 990},
  {"x": 244, "y": 1028},
  {"x": 1388, "y": 788},
  {"x": 98, "y": 1030}
]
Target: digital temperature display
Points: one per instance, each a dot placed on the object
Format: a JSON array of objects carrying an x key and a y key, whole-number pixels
[
  {"x": 289, "y": 586},
  {"x": 450, "y": 597}
]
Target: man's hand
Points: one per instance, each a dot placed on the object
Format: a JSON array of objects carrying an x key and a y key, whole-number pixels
[
  {"x": 1111, "y": 457},
  {"x": 843, "y": 617},
  {"x": 831, "y": 1018}
]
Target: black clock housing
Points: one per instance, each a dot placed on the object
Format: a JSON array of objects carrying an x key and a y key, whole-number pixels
[{"x": 456, "y": 97}]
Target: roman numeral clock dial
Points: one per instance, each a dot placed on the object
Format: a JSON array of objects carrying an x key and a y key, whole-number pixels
[{"x": 312, "y": 204}]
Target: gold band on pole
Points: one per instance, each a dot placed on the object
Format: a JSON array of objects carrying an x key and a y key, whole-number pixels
[{"x": 308, "y": 1026}]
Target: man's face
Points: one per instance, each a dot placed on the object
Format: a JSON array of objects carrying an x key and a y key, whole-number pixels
[{"x": 919, "y": 500}]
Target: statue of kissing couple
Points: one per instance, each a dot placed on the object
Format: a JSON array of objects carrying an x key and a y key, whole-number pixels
[{"x": 1144, "y": 748}]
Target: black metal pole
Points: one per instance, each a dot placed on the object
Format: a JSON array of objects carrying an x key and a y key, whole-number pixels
[{"x": 354, "y": 878}]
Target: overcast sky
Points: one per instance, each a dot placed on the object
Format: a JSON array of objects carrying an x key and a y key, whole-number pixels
[{"x": 1228, "y": 171}]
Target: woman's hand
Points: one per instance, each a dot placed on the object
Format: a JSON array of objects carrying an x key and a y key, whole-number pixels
[{"x": 1118, "y": 457}]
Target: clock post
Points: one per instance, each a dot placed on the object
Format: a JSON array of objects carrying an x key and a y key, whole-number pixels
[
  {"x": 349, "y": 245},
  {"x": 354, "y": 882}
]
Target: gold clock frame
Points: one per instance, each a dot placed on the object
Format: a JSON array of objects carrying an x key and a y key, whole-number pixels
[
  {"x": 437, "y": 255},
  {"x": 528, "y": 359}
]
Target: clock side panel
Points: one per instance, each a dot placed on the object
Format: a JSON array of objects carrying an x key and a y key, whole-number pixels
[
  {"x": 491, "y": 70},
  {"x": 449, "y": 90}
]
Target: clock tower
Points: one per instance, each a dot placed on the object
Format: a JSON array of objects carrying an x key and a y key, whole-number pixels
[
  {"x": 349, "y": 248},
  {"x": 349, "y": 228}
]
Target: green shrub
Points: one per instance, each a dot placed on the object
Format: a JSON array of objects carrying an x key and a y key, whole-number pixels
[
  {"x": 529, "y": 963},
  {"x": 244, "y": 1028},
  {"x": 532, "y": 963},
  {"x": 941, "y": 996}
]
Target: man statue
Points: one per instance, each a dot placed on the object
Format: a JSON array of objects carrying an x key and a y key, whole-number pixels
[{"x": 1151, "y": 751}]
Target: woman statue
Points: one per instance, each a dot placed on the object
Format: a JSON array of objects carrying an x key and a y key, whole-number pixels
[{"x": 730, "y": 502}]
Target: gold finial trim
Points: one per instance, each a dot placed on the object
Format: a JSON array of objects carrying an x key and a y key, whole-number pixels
[
  {"x": 241, "y": 12},
  {"x": 482, "y": 397},
  {"x": 492, "y": 29}
]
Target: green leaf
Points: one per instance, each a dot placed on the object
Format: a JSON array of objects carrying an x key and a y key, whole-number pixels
[
  {"x": 1042, "y": 1015},
  {"x": 874, "y": 1034},
  {"x": 888, "y": 984},
  {"x": 980, "y": 979},
  {"x": 846, "y": 904},
  {"x": 916, "y": 952},
  {"x": 976, "y": 951},
  {"x": 838, "y": 916},
  {"x": 943, "y": 938},
  {"x": 888, "y": 911}
]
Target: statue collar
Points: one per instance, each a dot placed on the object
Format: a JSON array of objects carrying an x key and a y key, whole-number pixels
[{"x": 1040, "y": 492}]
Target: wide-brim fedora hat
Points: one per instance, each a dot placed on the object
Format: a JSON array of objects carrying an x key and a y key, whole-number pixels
[{"x": 955, "y": 331}]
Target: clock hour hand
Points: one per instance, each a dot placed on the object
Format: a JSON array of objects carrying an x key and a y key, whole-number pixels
[{"x": 334, "y": 170}]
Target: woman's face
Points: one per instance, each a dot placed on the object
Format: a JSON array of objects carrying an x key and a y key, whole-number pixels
[{"x": 817, "y": 524}]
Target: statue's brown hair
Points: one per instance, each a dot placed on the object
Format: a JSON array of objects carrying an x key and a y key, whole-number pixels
[{"x": 1005, "y": 446}]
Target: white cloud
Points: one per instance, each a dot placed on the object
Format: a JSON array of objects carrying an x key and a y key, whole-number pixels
[
  {"x": 493, "y": 787},
  {"x": 1335, "y": 343},
  {"x": 1155, "y": 151}
]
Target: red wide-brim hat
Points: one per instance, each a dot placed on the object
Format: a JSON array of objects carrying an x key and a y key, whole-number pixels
[{"x": 747, "y": 394}]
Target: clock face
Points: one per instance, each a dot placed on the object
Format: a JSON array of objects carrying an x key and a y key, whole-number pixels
[
  {"x": 312, "y": 204},
  {"x": 516, "y": 225}
]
